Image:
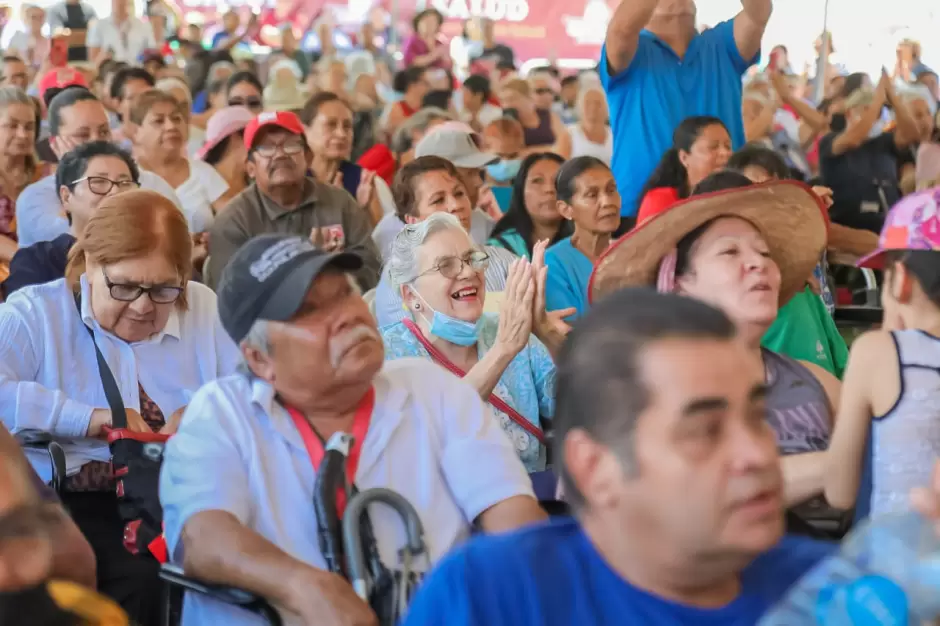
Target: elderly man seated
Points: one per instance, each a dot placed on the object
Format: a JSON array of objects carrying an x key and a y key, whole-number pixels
[
  {"x": 238, "y": 479},
  {"x": 283, "y": 199}
]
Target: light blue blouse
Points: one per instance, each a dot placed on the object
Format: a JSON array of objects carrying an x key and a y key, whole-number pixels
[
  {"x": 569, "y": 272},
  {"x": 527, "y": 385}
]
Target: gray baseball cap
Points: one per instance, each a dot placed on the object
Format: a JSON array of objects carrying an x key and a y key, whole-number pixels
[
  {"x": 268, "y": 278},
  {"x": 457, "y": 146}
]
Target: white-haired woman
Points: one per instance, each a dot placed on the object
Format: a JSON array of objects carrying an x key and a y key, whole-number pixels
[
  {"x": 591, "y": 136},
  {"x": 195, "y": 136},
  {"x": 923, "y": 109},
  {"x": 439, "y": 272}
]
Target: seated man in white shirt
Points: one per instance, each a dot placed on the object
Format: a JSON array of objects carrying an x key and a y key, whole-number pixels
[
  {"x": 76, "y": 117},
  {"x": 237, "y": 480},
  {"x": 120, "y": 37}
]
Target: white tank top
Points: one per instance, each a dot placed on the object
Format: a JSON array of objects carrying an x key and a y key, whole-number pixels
[
  {"x": 582, "y": 146},
  {"x": 906, "y": 442}
]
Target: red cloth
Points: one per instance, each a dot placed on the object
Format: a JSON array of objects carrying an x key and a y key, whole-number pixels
[
  {"x": 655, "y": 202},
  {"x": 379, "y": 159}
]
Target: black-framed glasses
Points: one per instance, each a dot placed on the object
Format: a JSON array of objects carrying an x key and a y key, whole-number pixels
[
  {"x": 158, "y": 294},
  {"x": 290, "y": 147},
  {"x": 250, "y": 103},
  {"x": 451, "y": 266},
  {"x": 101, "y": 186}
]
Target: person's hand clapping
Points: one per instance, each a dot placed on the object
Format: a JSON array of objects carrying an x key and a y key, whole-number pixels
[
  {"x": 824, "y": 194},
  {"x": 549, "y": 327},
  {"x": 366, "y": 190},
  {"x": 515, "y": 315}
]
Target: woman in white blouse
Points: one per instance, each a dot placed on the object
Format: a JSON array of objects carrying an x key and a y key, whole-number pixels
[
  {"x": 159, "y": 141},
  {"x": 591, "y": 136},
  {"x": 178, "y": 88},
  {"x": 127, "y": 290}
]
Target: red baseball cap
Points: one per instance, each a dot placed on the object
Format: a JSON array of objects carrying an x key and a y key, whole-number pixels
[
  {"x": 280, "y": 119},
  {"x": 60, "y": 78}
]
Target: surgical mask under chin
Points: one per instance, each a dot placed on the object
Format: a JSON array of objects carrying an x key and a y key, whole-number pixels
[
  {"x": 451, "y": 329},
  {"x": 504, "y": 170}
]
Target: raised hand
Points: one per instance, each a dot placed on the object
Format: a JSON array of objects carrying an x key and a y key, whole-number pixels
[
  {"x": 549, "y": 327},
  {"x": 515, "y": 315},
  {"x": 366, "y": 190}
]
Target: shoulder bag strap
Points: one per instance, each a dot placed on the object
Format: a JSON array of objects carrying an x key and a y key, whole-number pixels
[
  {"x": 111, "y": 391},
  {"x": 495, "y": 400}
]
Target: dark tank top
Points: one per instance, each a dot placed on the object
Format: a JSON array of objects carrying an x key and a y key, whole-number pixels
[{"x": 541, "y": 135}]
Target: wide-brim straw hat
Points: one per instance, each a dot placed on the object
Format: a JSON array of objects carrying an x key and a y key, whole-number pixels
[{"x": 788, "y": 215}]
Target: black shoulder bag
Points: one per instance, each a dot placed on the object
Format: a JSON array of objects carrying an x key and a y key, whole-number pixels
[{"x": 135, "y": 464}]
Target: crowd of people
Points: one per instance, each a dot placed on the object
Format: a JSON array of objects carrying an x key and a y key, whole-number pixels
[{"x": 218, "y": 271}]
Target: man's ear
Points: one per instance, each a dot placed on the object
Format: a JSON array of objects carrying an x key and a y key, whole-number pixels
[
  {"x": 65, "y": 194},
  {"x": 260, "y": 364},
  {"x": 250, "y": 167}
]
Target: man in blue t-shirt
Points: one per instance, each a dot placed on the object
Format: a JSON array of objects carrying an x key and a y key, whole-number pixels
[
  {"x": 672, "y": 472},
  {"x": 658, "y": 70}
]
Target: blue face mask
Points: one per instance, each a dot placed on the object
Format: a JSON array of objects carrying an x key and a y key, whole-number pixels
[
  {"x": 451, "y": 329},
  {"x": 504, "y": 170}
]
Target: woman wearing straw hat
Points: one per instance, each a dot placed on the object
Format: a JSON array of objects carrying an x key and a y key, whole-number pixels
[{"x": 746, "y": 251}]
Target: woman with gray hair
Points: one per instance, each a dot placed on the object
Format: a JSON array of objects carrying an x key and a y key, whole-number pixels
[
  {"x": 591, "y": 135},
  {"x": 439, "y": 272}
]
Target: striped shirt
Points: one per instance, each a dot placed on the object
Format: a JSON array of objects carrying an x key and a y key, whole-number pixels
[{"x": 389, "y": 308}]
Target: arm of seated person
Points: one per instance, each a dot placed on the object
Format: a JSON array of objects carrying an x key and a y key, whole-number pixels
[
  {"x": 72, "y": 556},
  {"x": 510, "y": 514},
  {"x": 218, "y": 549}
]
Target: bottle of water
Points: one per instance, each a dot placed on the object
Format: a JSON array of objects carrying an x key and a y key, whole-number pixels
[{"x": 887, "y": 573}]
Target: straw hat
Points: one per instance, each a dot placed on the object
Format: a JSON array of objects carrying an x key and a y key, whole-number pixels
[{"x": 787, "y": 214}]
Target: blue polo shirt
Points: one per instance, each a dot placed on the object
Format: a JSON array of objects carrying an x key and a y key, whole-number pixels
[
  {"x": 551, "y": 575},
  {"x": 650, "y": 98}
]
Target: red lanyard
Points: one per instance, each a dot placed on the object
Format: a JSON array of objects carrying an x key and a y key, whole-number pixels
[{"x": 315, "y": 445}]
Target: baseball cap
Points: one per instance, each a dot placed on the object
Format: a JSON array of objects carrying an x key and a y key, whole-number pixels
[
  {"x": 223, "y": 123},
  {"x": 455, "y": 145},
  {"x": 280, "y": 119},
  {"x": 61, "y": 78},
  {"x": 268, "y": 278},
  {"x": 912, "y": 224}
]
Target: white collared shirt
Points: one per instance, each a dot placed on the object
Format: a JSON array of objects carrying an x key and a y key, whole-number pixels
[
  {"x": 431, "y": 439},
  {"x": 106, "y": 35},
  {"x": 49, "y": 377}
]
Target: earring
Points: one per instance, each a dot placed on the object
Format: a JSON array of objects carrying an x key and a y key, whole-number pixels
[{"x": 417, "y": 306}]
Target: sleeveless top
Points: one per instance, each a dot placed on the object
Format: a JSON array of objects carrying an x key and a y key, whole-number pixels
[
  {"x": 582, "y": 146},
  {"x": 798, "y": 407},
  {"x": 905, "y": 441},
  {"x": 541, "y": 135}
]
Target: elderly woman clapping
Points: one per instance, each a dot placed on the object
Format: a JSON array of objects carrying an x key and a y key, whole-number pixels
[
  {"x": 506, "y": 358},
  {"x": 127, "y": 294}
]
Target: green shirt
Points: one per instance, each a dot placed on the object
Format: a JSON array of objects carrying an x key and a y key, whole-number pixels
[
  {"x": 511, "y": 240},
  {"x": 805, "y": 331}
]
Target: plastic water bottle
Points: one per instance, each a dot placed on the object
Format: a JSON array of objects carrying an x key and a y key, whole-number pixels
[{"x": 887, "y": 573}]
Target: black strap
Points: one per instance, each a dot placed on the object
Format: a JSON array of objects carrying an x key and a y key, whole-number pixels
[{"x": 111, "y": 391}]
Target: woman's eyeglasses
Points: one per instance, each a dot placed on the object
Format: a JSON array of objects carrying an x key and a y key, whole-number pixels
[
  {"x": 158, "y": 294},
  {"x": 450, "y": 267},
  {"x": 99, "y": 185},
  {"x": 250, "y": 103}
]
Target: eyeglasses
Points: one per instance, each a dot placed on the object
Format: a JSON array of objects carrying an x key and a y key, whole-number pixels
[
  {"x": 450, "y": 267},
  {"x": 251, "y": 103},
  {"x": 158, "y": 294},
  {"x": 290, "y": 147},
  {"x": 101, "y": 186}
]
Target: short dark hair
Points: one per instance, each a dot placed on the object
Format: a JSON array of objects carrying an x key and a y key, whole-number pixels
[
  {"x": 66, "y": 98},
  {"x": 568, "y": 80},
  {"x": 127, "y": 74},
  {"x": 312, "y": 107},
  {"x": 924, "y": 265},
  {"x": 420, "y": 15},
  {"x": 244, "y": 77},
  {"x": 408, "y": 77},
  {"x": 757, "y": 155},
  {"x": 74, "y": 163},
  {"x": 438, "y": 98},
  {"x": 403, "y": 187},
  {"x": 599, "y": 384},
  {"x": 570, "y": 172},
  {"x": 479, "y": 85}
]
